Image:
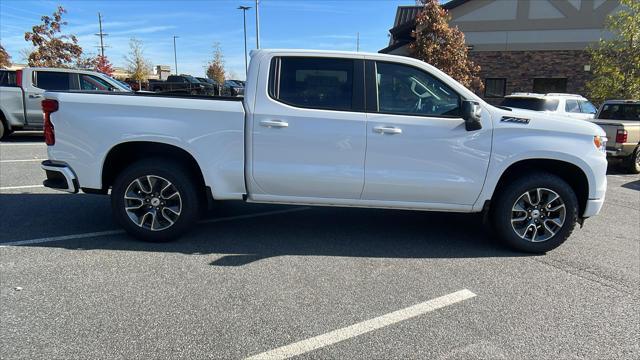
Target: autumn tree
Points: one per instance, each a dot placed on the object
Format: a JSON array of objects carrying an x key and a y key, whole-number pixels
[
  {"x": 103, "y": 65},
  {"x": 443, "y": 46},
  {"x": 615, "y": 63},
  {"x": 52, "y": 48},
  {"x": 85, "y": 62},
  {"x": 215, "y": 68},
  {"x": 137, "y": 65},
  {"x": 5, "y": 59}
]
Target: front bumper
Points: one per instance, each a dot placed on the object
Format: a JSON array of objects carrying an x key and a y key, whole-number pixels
[{"x": 60, "y": 177}]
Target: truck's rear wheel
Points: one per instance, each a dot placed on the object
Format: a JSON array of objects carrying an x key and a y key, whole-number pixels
[
  {"x": 155, "y": 200},
  {"x": 633, "y": 162},
  {"x": 535, "y": 213}
]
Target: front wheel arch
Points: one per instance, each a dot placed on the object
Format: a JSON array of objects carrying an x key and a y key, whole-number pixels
[{"x": 570, "y": 173}]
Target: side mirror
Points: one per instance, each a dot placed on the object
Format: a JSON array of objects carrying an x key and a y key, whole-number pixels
[{"x": 471, "y": 111}]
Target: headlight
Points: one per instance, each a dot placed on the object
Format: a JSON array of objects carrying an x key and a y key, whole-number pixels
[{"x": 600, "y": 143}]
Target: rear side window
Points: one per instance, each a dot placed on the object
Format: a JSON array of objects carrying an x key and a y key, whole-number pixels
[
  {"x": 8, "y": 78},
  {"x": 318, "y": 83},
  {"x": 531, "y": 103},
  {"x": 571, "y": 106},
  {"x": 50, "y": 80}
]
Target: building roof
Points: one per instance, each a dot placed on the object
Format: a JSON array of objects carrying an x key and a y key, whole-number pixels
[
  {"x": 405, "y": 21},
  {"x": 515, "y": 25}
]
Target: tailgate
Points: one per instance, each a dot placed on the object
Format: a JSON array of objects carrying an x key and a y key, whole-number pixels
[{"x": 611, "y": 129}]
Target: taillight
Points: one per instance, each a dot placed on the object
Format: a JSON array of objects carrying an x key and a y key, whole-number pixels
[
  {"x": 621, "y": 136},
  {"x": 49, "y": 106},
  {"x": 19, "y": 78}
]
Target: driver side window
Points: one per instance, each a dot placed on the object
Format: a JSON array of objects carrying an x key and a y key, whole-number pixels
[{"x": 407, "y": 90}]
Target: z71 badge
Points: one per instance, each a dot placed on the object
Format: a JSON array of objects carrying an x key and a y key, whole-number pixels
[{"x": 514, "y": 120}]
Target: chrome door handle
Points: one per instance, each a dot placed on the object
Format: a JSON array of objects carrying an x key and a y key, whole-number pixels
[
  {"x": 35, "y": 96},
  {"x": 387, "y": 130},
  {"x": 274, "y": 123}
]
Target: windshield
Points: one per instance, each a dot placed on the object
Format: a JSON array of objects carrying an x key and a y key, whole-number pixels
[
  {"x": 530, "y": 103},
  {"x": 620, "y": 112}
]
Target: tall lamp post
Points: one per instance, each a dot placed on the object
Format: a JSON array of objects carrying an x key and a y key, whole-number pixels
[
  {"x": 175, "y": 53},
  {"x": 244, "y": 21}
]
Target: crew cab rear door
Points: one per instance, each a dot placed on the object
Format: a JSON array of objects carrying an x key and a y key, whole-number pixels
[
  {"x": 418, "y": 149},
  {"x": 308, "y": 129}
]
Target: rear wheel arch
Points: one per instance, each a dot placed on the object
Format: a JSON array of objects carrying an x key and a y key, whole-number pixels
[
  {"x": 570, "y": 173},
  {"x": 124, "y": 154}
]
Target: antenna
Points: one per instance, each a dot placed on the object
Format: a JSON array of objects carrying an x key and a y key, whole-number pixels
[
  {"x": 101, "y": 35},
  {"x": 358, "y": 41}
]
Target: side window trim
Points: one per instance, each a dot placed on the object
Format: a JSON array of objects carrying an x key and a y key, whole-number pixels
[
  {"x": 372, "y": 94},
  {"x": 358, "y": 92}
]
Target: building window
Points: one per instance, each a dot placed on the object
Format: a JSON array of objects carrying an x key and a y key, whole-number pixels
[
  {"x": 496, "y": 87},
  {"x": 549, "y": 85}
]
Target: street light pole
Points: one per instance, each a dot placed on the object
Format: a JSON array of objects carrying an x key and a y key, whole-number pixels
[
  {"x": 244, "y": 21},
  {"x": 175, "y": 53},
  {"x": 257, "y": 25}
]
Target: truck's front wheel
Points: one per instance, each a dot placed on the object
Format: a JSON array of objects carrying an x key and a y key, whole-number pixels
[
  {"x": 536, "y": 213},
  {"x": 155, "y": 200}
]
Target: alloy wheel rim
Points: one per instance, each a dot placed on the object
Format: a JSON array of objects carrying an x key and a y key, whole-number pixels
[
  {"x": 538, "y": 214},
  {"x": 152, "y": 203}
]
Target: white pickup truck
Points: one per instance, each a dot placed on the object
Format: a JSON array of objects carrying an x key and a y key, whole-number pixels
[{"x": 330, "y": 129}]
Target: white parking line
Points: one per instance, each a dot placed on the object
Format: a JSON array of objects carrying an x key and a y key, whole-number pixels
[
  {"x": 364, "y": 327},
  {"x": 117, "y": 232},
  {"x": 19, "y": 161},
  {"x": 20, "y": 187}
]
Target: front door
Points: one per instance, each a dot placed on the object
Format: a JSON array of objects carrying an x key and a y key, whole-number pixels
[
  {"x": 308, "y": 134},
  {"x": 418, "y": 149}
]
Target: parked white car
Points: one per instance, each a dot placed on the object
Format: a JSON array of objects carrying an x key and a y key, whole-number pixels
[
  {"x": 331, "y": 129},
  {"x": 21, "y": 92},
  {"x": 571, "y": 105}
]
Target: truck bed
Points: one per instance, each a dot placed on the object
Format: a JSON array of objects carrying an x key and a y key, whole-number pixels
[{"x": 89, "y": 124}]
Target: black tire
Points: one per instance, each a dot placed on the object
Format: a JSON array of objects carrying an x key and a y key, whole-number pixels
[
  {"x": 183, "y": 183},
  {"x": 633, "y": 162},
  {"x": 502, "y": 212},
  {"x": 4, "y": 132}
]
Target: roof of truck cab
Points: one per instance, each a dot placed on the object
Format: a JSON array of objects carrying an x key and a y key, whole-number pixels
[{"x": 327, "y": 52}]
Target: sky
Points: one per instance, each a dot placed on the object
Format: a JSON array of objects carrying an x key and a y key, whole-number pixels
[{"x": 299, "y": 24}]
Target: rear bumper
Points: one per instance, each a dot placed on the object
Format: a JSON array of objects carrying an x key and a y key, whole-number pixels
[
  {"x": 593, "y": 207},
  {"x": 59, "y": 176}
]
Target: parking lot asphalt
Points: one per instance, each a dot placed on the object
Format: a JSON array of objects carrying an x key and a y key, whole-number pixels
[{"x": 306, "y": 282}]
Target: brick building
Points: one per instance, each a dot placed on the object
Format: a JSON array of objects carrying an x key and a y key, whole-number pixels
[{"x": 521, "y": 45}]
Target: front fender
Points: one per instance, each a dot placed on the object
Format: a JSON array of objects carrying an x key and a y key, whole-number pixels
[{"x": 575, "y": 149}]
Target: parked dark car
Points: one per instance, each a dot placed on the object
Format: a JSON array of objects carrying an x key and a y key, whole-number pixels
[
  {"x": 234, "y": 87},
  {"x": 184, "y": 84},
  {"x": 217, "y": 89}
]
